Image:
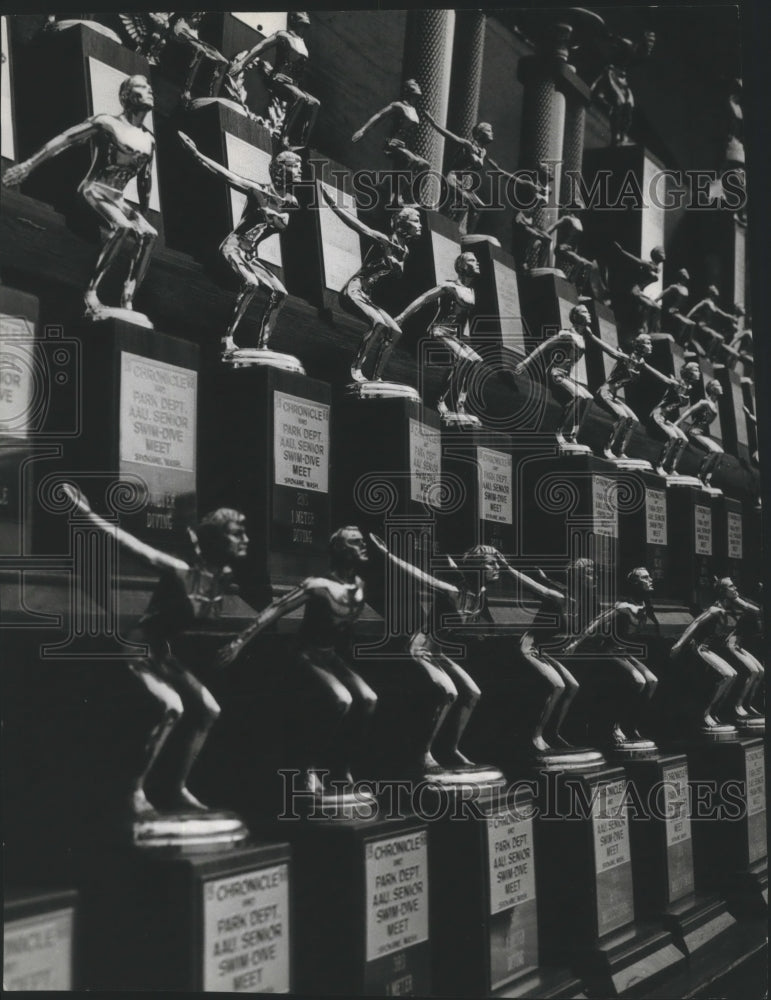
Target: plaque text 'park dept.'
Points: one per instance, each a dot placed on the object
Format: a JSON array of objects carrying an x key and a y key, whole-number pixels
[
  {"x": 396, "y": 880},
  {"x": 18, "y": 375},
  {"x": 612, "y": 858},
  {"x": 656, "y": 517},
  {"x": 677, "y": 823},
  {"x": 37, "y": 952},
  {"x": 495, "y": 492},
  {"x": 734, "y": 531},
  {"x": 755, "y": 765},
  {"x": 300, "y": 443},
  {"x": 702, "y": 527},
  {"x": 157, "y": 414},
  {"x": 425, "y": 459},
  {"x": 246, "y": 932}
]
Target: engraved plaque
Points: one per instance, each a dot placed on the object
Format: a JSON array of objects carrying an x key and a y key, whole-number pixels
[
  {"x": 37, "y": 952},
  {"x": 734, "y": 532},
  {"x": 495, "y": 491},
  {"x": 396, "y": 884},
  {"x": 702, "y": 526},
  {"x": 604, "y": 508},
  {"x": 677, "y": 823},
  {"x": 612, "y": 858},
  {"x": 300, "y": 443},
  {"x": 7, "y": 148},
  {"x": 22, "y": 379},
  {"x": 425, "y": 459},
  {"x": 266, "y": 22},
  {"x": 509, "y": 309},
  {"x": 254, "y": 164},
  {"x": 105, "y": 82},
  {"x": 513, "y": 912},
  {"x": 445, "y": 254},
  {"x": 340, "y": 246},
  {"x": 246, "y": 932},
  {"x": 755, "y": 765},
  {"x": 655, "y": 517}
]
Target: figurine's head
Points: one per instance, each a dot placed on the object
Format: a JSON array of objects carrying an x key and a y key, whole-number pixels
[
  {"x": 713, "y": 388},
  {"x": 581, "y": 570},
  {"x": 683, "y": 276},
  {"x": 411, "y": 90},
  {"x": 640, "y": 580},
  {"x": 482, "y": 133},
  {"x": 690, "y": 372},
  {"x": 579, "y": 316},
  {"x": 406, "y": 223},
  {"x": 347, "y": 548},
  {"x": 483, "y": 557},
  {"x": 222, "y": 536},
  {"x": 642, "y": 345},
  {"x": 647, "y": 43},
  {"x": 727, "y": 590},
  {"x": 657, "y": 255},
  {"x": 286, "y": 169},
  {"x": 713, "y": 292},
  {"x": 466, "y": 265},
  {"x": 298, "y": 21},
  {"x": 136, "y": 94}
]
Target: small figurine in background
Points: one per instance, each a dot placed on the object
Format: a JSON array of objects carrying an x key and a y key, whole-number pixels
[
  {"x": 185, "y": 595},
  {"x": 564, "y": 350},
  {"x": 404, "y": 121},
  {"x": 386, "y": 256},
  {"x": 611, "y": 89},
  {"x": 454, "y": 300},
  {"x": 266, "y": 212},
  {"x": 292, "y": 112},
  {"x": 567, "y": 232},
  {"x": 706, "y": 315},
  {"x": 342, "y": 703},
  {"x": 628, "y": 368},
  {"x": 630, "y": 277},
  {"x": 666, "y": 412},
  {"x": 701, "y": 414},
  {"x": 671, "y": 301},
  {"x": 606, "y": 635},
  {"x": 149, "y": 32},
  {"x": 123, "y": 150},
  {"x": 53, "y": 23},
  {"x": 530, "y": 245}
]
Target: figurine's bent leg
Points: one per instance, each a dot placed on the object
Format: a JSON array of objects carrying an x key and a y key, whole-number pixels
[
  {"x": 441, "y": 694},
  {"x": 170, "y": 708},
  {"x": 651, "y": 682},
  {"x": 631, "y": 423},
  {"x": 459, "y": 713},
  {"x": 613, "y": 406},
  {"x": 391, "y": 334},
  {"x": 749, "y": 675},
  {"x": 276, "y": 298},
  {"x": 327, "y": 701},
  {"x": 252, "y": 280},
  {"x": 145, "y": 236},
  {"x": 555, "y": 691},
  {"x": 724, "y": 676},
  {"x": 560, "y": 711},
  {"x": 356, "y": 720},
  {"x": 184, "y": 744},
  {"x": 103, "y": 201},
  {"x": 195, "y": 65},
  {"x": 711, "y": 459},
  {"x": 414, "y": 165}
]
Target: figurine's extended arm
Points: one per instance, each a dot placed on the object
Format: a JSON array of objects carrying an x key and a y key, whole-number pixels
[
  {"x": 383, "y": 113},
  {"x": 699, "y": 626},
  {"x": 691, "y": 411},
  {"x": 666, "y": 379},
  {"x": 600, "y": 625},
  {"x": 506, "y": 173},
  {"x": 625, "y": 253},
  {"x": 544, "y": 346},
  {"x": 530, "y": 584},
  {"x": 246, "y": 60},
  {"x": 156, "y": 558},
  {"x": 614, "y": 352},
  {"x": 235, "y": 180},
  {"x": 750, "y": 415},
  {"x": 280, "y": 607},
  {"x": 66, "y": 140},
  {"x": 432, "y": 295},
  {"x": 425, "y": 580},
  {"x": 445, "y": 132},
  {"x": 353, "y": 223}
]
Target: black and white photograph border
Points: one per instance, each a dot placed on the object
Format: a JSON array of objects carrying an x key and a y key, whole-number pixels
[{"x": 381, "y": 539}]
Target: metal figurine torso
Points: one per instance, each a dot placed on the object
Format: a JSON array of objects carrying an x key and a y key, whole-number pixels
[
  {"x": 453, "y": 310},
  {"x": 566, "y": 354},
  {"x": 406, "y": 121},
  {"x": 121, "y": 150},
  {"x": 704, "y": 416},
  {"x": 468, "y": 159},
  {"x": 333, "y": 606},
  {"x": 180, "y": 600},
  {"x": 291, "y": 55},
  {"x": 673, "y": 298},
  {"x": 624, "y": 371},
  {"x": 568, "y": 232},
  {"x": 380, "y": 261},
  {"x": 721, "y": 626},
  {"x": 675, "y": 398},
  {"x": 265, "y": 213}
]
